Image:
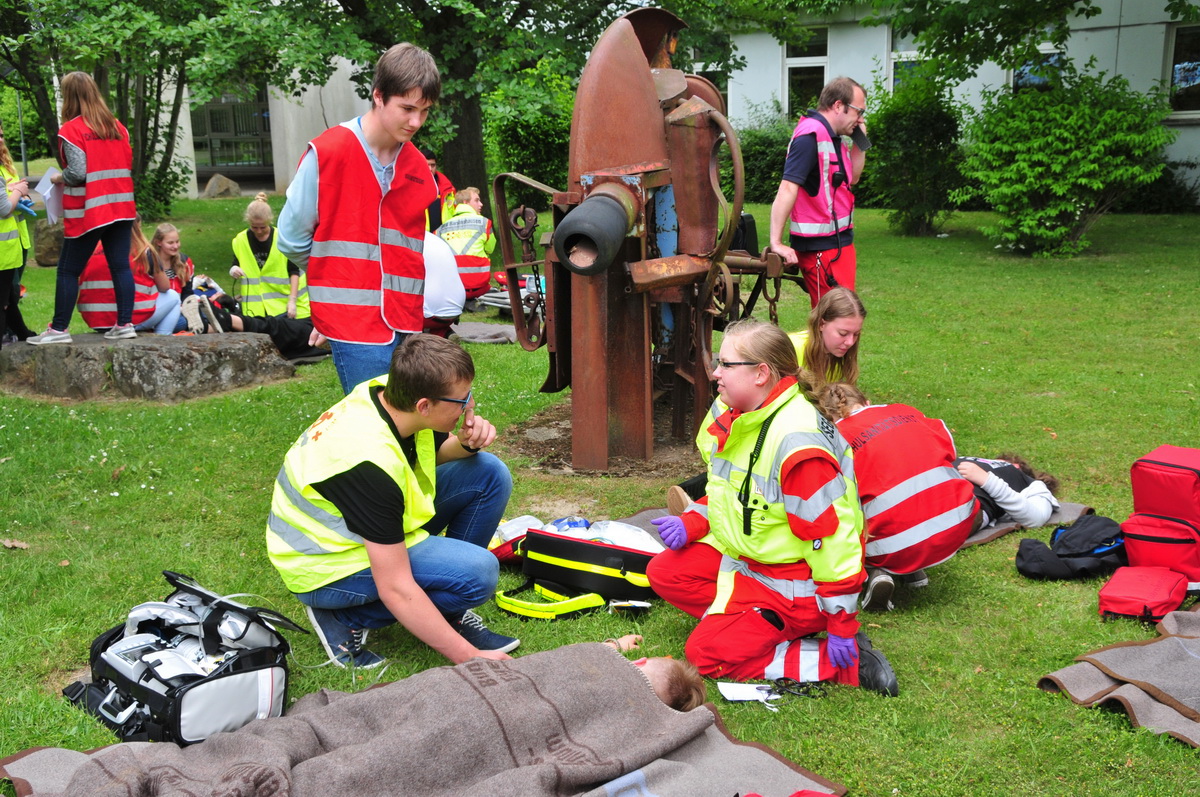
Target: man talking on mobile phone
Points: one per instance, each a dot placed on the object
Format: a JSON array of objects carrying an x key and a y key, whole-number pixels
[{"x": 814, "y": 198}]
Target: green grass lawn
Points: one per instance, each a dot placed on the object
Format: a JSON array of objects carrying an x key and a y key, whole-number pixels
[{"x": 1080, "y": 365}]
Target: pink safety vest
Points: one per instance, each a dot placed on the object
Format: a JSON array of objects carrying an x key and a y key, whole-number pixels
[{"x": 816, "y": 216}]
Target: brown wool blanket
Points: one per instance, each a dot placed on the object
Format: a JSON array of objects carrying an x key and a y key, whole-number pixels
[
  {"x": 580, "y": 720},
  {"x": 1156, "y": 682}
]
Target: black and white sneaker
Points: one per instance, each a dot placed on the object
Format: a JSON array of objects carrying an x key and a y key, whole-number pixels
[
  {"x": 914, "y": 580},
  {"x": 343, "y": 644},
  {"x": 877, "y": 594},
  {"x": 470, "y": 626}
]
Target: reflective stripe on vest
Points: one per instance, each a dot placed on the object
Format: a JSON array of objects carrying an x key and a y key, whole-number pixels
[
  {"x": 370, "y": 253},
  {"x": 308, "y": 540},
  {"x": 915, "y": 535}
]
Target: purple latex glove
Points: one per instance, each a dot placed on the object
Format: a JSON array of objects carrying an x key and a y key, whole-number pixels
[
  {"x": 672, "y": 531},
  {"x": 842, "y": 651}
]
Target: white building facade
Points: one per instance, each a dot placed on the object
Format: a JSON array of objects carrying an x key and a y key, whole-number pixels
[{"x": 1132, "y": 38}]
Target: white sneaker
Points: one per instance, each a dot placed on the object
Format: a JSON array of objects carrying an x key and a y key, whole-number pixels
[
  {"x": 51, "y": 335},
  {"x": 122, "y": 332}
]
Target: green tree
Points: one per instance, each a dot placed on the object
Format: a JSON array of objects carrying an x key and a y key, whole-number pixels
[
  {"x": 1053, "y": 162},
  {"x": 915, "y": 164},
  {"x": 152, "y": 57}
]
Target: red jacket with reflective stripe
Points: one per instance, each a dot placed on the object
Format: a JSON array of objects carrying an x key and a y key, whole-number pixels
[
  {"x": 919, "y": 511},
  {"x": 98, "y": 300},
  {"x": 366, "y": 272},
  {"x": 107, "y": 193}
]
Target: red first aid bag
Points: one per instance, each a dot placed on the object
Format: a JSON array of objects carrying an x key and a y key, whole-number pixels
[
  {"x": 1144, "y": 593},
  {"x": 1167, "y": 482},
  {"x": 1161, "y": 541}
]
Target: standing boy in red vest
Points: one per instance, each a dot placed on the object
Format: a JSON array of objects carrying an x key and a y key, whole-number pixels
[
  {"x": 355, "y": 219},
  {"x": 820, "y": 218}
]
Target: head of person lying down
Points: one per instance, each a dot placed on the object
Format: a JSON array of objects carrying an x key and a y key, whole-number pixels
[{"x": 676, "y": 682}]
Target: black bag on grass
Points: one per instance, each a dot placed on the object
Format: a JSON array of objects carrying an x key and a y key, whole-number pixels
[
  {"x": 186, "y": 667},
  {"x": 1091, "y": 546}
]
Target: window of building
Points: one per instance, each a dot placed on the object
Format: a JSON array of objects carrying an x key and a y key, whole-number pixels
[
  {"x": 233, "y": 135},
  {"x": 1035, "y": 75},
  {"x": 904, "y": 59},
  {"x": 1185, "y": 69},
  {"x": 805, "y": 66}
]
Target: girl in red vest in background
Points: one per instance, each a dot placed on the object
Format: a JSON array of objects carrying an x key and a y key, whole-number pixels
[
  {"x": 179, "y": 267},
  {"x": 155, "y": 304},
  {"x": 98, "y": 206}
]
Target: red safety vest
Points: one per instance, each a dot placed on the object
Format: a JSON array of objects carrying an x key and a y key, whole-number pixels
[
  {"x": 831, "y": 210},
  {"x": 366, "y": 273},
  {"x": 98, "y": 299},
  {"x": 107, "y": 193},
  {"x": 470, "y": 238},
  {"x": 919, "y": 511}
]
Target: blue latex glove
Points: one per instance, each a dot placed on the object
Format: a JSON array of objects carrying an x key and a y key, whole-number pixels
[
  {"x": 672, "y": 531},
  {"x": 842, "y": 651},
  {"x": 25, "y": 205}
]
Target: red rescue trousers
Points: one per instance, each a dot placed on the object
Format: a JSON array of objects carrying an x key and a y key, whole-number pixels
[
  {"x": 815, "y": 266},
  {"x": 743, "y": 645}
]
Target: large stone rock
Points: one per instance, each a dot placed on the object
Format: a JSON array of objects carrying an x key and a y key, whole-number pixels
[
  {"x": 220, "y": 186},
  {"x": 157, "y": 368},
  {"x": 47, "y": 241}
]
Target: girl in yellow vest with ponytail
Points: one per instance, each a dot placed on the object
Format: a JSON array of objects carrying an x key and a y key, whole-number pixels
[
  {"x": 14, "y": 242},
  {"x": 269, "y": 283}
]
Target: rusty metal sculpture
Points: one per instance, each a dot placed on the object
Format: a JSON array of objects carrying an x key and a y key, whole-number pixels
[{"x": 637, "y": 268}]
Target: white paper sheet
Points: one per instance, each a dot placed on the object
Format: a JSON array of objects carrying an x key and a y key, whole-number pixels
[{"x": 51, "y": 195}]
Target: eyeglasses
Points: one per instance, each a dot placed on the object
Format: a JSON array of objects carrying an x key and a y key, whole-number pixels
[
  {"x": 790, "y": 686},
  {"x": 465, "y": 402},
  {"x": 719, "y": 363},
  {"x": 861, "y": 111}
]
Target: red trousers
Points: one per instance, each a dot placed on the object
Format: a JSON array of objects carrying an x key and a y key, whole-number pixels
[
  {"x": 816, "y": 268},
  {"x": 742, "y": 644}
]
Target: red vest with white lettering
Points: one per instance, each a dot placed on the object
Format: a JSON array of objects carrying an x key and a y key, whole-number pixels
[
  {"x": 366, "y": 273},
  {"x": 832, "y": 209},
  {"x": 98, "y": 300},
  {"x": 919, "y": 511},
  {"x": 107, "y": 193}
]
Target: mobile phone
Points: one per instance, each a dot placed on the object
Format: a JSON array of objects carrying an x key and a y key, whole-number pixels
[{"x": 860, "y": 139}]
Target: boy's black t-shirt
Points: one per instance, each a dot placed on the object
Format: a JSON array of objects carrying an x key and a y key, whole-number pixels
[{"x": 371, "y": 503}]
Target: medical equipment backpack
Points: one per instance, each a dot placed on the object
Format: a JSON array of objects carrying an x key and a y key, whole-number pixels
[
  {"x": 184, "y": 668},
  {"x": 1164, "y": 529}
]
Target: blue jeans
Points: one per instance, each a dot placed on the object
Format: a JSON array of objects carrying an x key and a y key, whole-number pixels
[
  {"x": 73, "y": 258},
  {"x": 166, "y": 313},
  {"x": 456, "y": 571},
  {"x": 358, "y": 362}
]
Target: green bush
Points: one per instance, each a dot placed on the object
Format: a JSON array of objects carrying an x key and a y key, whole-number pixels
[
  {"x": 156, "y": 191},
  {"x": 528, "y": 130},
  {"x": 914, "y": 166},
  {"x": 1053, "y": 162},
  {"x": 764, "y": 141},
  {"x": 1172, "y": 192}
]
